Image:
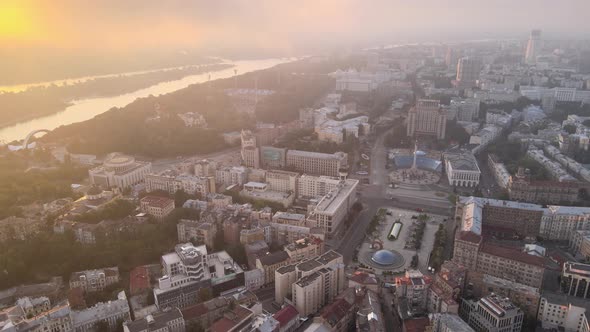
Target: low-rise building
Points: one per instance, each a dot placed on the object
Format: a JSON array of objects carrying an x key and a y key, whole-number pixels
[
  {"x": 33, "y": 306},
  {"x": 95, "y": 280},
  {"x": 156, "y": 206},
  {"x": 202, "y": 232},
  {"x": 162, "y": 321},
  {"x": 119, "y": 171},
  {"x": 261, "y": 191},
  {"x": 448, "y": 323},
  {"x": 462, "y": 169},
  {"x": 112, "y": 313},
  {"x": 564, "y": 312}
]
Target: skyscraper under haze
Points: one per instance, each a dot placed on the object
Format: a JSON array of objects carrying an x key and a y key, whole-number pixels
[{"x": 532, "y": 48}]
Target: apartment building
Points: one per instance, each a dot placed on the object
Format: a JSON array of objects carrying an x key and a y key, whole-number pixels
[
  {"x": 229, "y": 175},
  {"x": 270, "y": 262},
  {"x": 305, "y": 248},
  {"x": 203, "y": 232},
  {"x": 444, "y": 293},
  {"x": 312, "y": 283},
  {"x": 94, "y": 280},
  {"x": 111, "y": 313},
  {"x": 413, "y": 288},
  {"x": 499, "y": 261},
  {"x": 317, "y": 163},
  {"x": 156, "y": 206},
  {"x": 170, "y": 181}
]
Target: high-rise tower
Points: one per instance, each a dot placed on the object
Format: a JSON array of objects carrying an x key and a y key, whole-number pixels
[{"x": 532, "y": 48}]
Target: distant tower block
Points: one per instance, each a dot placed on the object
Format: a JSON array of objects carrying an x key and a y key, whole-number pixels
[{"x": 532, "y": 48}]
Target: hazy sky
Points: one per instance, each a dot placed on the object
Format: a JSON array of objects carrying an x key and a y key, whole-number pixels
[{"x": 113, "y": 25}]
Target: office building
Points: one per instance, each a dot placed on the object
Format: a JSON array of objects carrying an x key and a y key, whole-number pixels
[
  {"x": 310, "y": 186},
  {"x": 462, "y": 169},
  {"x": 580, "y": 244},
  {"x": 119, "y": 171},
  {"x": 282, "y": 181},
  {"x": 427, "y": 118},
  {"x": 317, "y": 163},
  {"x": 161, "y": 321},
  {"x": 94, "y": 280},
  {"x": 189, "y": 269},
  {"x": 273, "y": 158},
  {"x": 250, "y": 152},
  {"x": 492, "y": 313},
  {"x": 468, "y": 70},
  {"x": 564, "y": 313},
  {"x": 329, "y": 211},
  {"x": 575, "y": 279},
  {"x": 533, "y": 47}
]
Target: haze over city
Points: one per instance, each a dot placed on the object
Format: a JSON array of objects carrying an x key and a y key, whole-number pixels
[{"x": 294, "y": 166}]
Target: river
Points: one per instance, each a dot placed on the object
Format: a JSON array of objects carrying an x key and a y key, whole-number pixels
[{"x": 85, "y": 109}]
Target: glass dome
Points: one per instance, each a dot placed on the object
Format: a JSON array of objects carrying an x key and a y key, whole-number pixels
[{"x": 384, "y": 257}]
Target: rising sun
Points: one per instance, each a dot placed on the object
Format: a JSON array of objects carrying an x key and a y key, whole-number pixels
[{"x": 15, "y": 21}]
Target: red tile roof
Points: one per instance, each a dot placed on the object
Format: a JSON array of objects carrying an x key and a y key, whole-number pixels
[
  {"x": 416, "y": 324},
  {"x": 469, "y": 237},
  {"x": 285, "y": 315},
  {"x": 139, "y": 280},
  {"x": 513, "y": 254}
]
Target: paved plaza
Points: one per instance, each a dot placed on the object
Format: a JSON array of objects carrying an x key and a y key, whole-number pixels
[
  {"x": 414, "y": 176},
  {"x": 400, "y": 257}
]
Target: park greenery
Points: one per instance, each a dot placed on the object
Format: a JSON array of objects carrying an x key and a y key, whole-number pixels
[
  {"x": 150, "y": 126},
  {"x": 437, "y": 254},
  {"x": 307, "y": 140},
  {"x": 23, "y": 184},
  {"x": 117, "y": 209},
  {"x": 59, "y": 254}
]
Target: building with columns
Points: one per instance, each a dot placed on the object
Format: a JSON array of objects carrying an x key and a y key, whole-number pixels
[{"x": 462, "y": 169}]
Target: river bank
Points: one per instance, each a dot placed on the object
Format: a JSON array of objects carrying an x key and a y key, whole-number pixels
[{"x": 46, "y": 100}]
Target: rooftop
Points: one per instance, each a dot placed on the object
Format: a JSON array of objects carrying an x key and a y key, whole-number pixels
[
  {"x": 157, "y": 201},
  {"x": 285, "y": 315},
  {"x": 512, "y": 254},
  {"x": 157, "y": 321}
]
